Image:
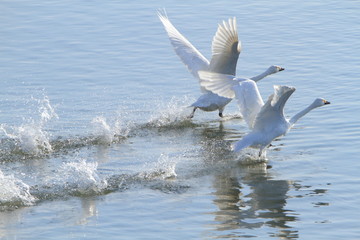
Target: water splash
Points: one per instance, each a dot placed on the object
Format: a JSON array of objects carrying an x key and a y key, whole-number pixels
[
  {"x": 164, "y": 169},
  {"x": 107, "y": 132},
  {"x": 30, "y": 137},
  {"x": 103, "y": 131},
  {"x": 159, "y": 176},
  {"x": 250, "y": 156},
  {"x": 171, "y": 113},
  {"x": 46, "y": 111},
  {"x": 75, "y": 178},
  {"x": 14, "y": 192}
]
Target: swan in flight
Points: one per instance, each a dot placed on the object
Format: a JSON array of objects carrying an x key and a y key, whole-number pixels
[
  {"x": 267, "y": 121},
  {"x": 226, "y": 48}
]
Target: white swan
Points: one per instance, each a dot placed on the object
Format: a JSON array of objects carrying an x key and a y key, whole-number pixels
[
  {"x": 249, "y": 101},
  {"x": 267, "y": 121},
  {"x": 226, "y": 48}
]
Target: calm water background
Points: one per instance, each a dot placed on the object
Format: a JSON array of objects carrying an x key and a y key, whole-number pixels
[{"x": 95, "y": 143}]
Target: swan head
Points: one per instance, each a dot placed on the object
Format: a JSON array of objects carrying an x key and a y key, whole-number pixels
[
  {"x": 319, "y": 102},
  {"x": 274, "y": 69}
]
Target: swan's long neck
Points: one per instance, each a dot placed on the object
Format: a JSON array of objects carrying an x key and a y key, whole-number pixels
[
  {"x": 261, "y": 76},
  {"x": 300, "y": 114}
]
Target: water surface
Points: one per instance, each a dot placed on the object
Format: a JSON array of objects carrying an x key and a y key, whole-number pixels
[{"x": 96, "y": 143}]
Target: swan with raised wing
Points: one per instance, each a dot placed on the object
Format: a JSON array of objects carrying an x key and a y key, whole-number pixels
[
  {"x": 226, "y": 48},
  {"x": 267, "y": 121}
]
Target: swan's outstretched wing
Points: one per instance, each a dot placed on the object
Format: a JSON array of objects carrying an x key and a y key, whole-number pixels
[
  {"x": 188, "y": 54},
  {"x": 244, "y": 90},
  {"x": 220, "y": 84},
  {"x": 282, "y": 94},
  {"x": 245, "y": 142},
  {"x": 273, "y": 109},
  {"x": 226, "y": 48},
  {"x": 249, "y": 100}
]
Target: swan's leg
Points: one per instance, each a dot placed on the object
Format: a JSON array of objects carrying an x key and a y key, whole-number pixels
[
  {"x": 261, "y": 151},
  {"x": 220, "y": 112},
  {"x": 192, "y": 114}
]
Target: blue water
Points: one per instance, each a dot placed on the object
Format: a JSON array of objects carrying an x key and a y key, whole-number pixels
[{"x": 96, "y": 144}]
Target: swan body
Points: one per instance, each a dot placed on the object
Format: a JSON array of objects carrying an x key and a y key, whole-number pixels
[
  {"x": 267, "y": 121},
  {"x": 246, "y": 92},
  {"x": 211, "y": 102},
  {"x": 226, "y": 48}
]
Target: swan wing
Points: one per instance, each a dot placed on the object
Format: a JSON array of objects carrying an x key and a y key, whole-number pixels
[
  {"x": 281, "y": 95},
  {"x": 188, "y": 54},
  {"x": 244, "y": 90},
  {"x": 226, "y": 48},
  {"x": 245, "y": 142},
  {"x": 273, "y": 110},
  {"x": 220, "y": 84},
  {"x": 249, "y": 100}
]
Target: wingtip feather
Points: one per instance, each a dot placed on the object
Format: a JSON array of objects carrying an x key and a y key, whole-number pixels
[{"x": 225, "y": 36}]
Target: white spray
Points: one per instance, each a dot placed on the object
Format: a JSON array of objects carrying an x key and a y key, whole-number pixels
[{"x": 30, "y": 137}]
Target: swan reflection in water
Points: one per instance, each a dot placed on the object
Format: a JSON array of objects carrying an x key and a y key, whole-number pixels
[{"x": 246, "y": 195}]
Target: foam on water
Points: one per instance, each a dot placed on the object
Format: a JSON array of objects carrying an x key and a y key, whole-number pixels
[
  {"x": 74, "y": 178},
  {"x": 171, "y": 113},
  {"x": 14, "y": 192},
  {"x": 102, "y": 130},
  {"x": 30, "y": 137},
  {"x": 77, "y": 178},
  {"x": 251, "y": 156},
  {"x": 160, "y": 176},
  {"x": 163, "y": 169},
  {"x": 106, "y": 131}
]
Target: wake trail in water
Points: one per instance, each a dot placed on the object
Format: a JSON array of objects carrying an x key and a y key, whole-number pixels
[
  {"x": 81, "y": 178},
  {"x": 32, "y": 140}
]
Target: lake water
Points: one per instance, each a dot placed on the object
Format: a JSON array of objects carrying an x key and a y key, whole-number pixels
[{"x": 96, "y": 144}]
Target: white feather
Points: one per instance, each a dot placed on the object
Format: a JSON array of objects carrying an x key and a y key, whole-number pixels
[
  {"x": 267, "y": 121},
  {"x": 223, "y": 59},
  {"x": 220, "y": 84},
  {"x": 188, "y": 54},
  {"x": 249, "y": 100},
  {"x": 226, "y": 47}
]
